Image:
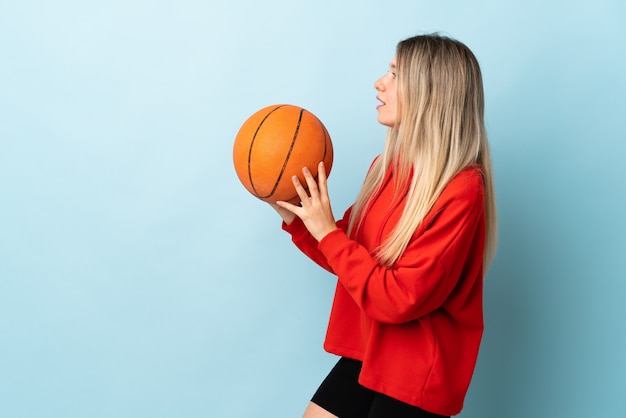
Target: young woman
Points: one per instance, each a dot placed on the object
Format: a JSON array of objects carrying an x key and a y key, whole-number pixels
[{"x": 411, "y": 252}]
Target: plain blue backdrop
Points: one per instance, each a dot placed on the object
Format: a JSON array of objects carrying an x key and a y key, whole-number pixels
[{"x": 138, "y": 278}]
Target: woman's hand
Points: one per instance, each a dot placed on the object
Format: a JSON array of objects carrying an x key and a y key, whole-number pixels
[{"x": 315, "y": 210}]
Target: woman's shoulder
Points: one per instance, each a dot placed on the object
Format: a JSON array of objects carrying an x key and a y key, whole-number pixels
[{"x": 469, "y": 183}]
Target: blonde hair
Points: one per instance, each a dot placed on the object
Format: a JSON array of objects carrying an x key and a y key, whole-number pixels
[{"x": 441, "y": 132}]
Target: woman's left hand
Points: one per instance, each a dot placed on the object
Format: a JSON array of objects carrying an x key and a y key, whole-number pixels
[{"x": 315, "y": 210}]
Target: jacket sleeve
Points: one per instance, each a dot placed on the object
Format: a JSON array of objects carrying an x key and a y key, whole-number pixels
[
  {"x": 423, "y": 277},
  {"x": 303, "y": 239}
]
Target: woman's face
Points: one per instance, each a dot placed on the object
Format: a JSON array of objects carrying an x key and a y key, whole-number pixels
[{"x": 386, "y": 87}]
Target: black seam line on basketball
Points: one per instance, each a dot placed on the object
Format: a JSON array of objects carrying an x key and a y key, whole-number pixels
[
  {"x": 325, "y": 139},
  {"x": 251, "y": 146},
  {"x": 284, "y": 167},
  {"x": 316, "y": 177},
  {"x": 325, "y": 147}
]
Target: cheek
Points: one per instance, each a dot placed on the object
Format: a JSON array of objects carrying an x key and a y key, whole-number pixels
[
  {"x": 397, "y": 104},
  {"x": 397, "y": 110}
]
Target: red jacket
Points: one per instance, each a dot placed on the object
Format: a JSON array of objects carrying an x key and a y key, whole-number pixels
[{"x": 416, "y": 326}]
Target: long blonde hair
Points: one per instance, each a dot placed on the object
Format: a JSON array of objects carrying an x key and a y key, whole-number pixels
[{"x": 441, "y": 132}]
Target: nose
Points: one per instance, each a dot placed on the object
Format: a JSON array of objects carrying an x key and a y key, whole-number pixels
[{"x": 378, "y": 85}]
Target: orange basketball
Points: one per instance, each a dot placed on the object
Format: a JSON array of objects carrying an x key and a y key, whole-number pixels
[{"x": 274, "y": 144}]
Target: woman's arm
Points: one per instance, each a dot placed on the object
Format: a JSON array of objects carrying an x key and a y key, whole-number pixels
[{"x": 444, "y": 251}]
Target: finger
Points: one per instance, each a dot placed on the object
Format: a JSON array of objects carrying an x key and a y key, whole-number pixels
[
  {"x": 322, "y": 179},
  {"x": 310, "y": 181},
  {"x": 299, "y": 189}
]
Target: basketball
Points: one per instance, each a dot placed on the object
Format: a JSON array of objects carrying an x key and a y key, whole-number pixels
[{"x": 274, "y": 144}]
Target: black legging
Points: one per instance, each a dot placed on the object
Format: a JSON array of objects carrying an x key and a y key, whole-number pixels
[{"x": 342, "y": 395}]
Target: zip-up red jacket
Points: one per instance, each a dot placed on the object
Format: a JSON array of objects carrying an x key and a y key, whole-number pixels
[{"x": 417, "y": 325}]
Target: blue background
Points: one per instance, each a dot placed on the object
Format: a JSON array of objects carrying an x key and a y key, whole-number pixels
[{"x": 138, "y": 278}]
